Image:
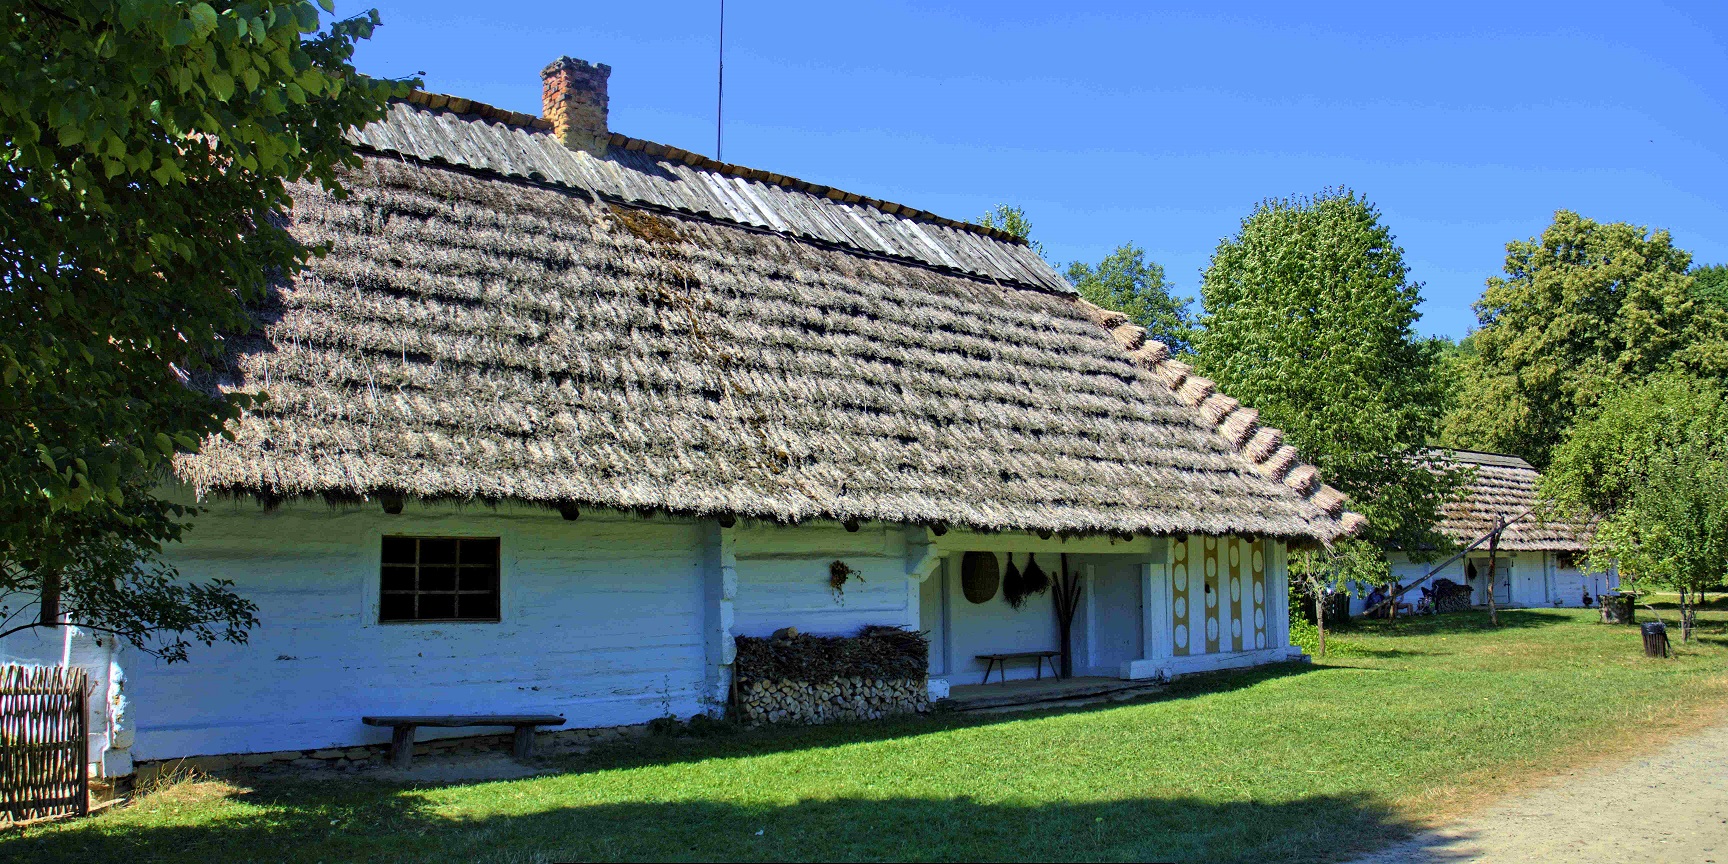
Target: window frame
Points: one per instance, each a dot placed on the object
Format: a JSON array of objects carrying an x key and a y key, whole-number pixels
[{"x": 380, "y": 591}]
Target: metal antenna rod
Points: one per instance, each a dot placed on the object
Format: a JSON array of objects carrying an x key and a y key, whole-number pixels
[{"x": 720, "y": 96}]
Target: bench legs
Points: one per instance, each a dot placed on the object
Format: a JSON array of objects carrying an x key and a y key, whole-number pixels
[
  {"x": 401, "y": 746},
  {"x": 522, "y": 746}
]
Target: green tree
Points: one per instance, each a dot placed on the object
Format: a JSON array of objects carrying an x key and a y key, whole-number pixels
[
  {"x": 1653, "y": 460},
  {"x": 1580, "y": 310},
  {"x": 147, "y": 144},
  {"x": 1457, "y": 360},
  {"x": 1126, "y": 282},
  {"x": 1710, "y": 284},
  {"x": 1012, "y": 219},
  {"x": 1309, "y": 318}
]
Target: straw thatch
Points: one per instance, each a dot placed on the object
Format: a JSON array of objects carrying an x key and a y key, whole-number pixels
[
  {"x": 1503, "y": 487},
  {"x": 475, "y": 337}
]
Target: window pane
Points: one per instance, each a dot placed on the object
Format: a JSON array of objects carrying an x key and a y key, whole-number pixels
[
  {"x": 397, "y": 579},
  {"x": 437, "y": 578},
  {"x": 433, "y": 606},
  {"x": 396, "y": 607},
  {"x": 476, "y": 579},
  {"x": 437, "y": 551},
  {"x": 480, "y": 551},
  {"x": 479, "y": 605},
  {"x": 398, "y": 550}
]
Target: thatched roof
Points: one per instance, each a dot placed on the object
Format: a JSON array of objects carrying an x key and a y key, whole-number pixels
[
  {"x": 1504, "y": 487},
  {"x": 549, "y": 339}
]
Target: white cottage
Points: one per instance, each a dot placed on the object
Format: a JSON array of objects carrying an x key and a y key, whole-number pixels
[
  {"x": 564, "y": 412},
  {"x": 1538, "y": 556}
]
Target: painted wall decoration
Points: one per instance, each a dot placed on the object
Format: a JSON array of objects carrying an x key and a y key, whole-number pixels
[
  {"x": 1257, "y": 577},
  {"x": 1209, "y": 588},
  {"x": 1179, "y": 596}
]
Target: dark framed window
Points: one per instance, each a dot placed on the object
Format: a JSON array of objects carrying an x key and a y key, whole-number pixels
[{"x": 438, "y": 579}]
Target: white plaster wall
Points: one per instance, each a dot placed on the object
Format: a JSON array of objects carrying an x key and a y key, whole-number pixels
[
  {"x": 1116, "y": 634},
  {"x": 783, "y": 579},
  {"x": 932, "y": 617},
  {"x": 602, "y": 623},
  {"x": 994, "y": 627}
]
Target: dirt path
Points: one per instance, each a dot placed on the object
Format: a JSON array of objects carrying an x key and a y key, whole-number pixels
[{"x": 1668, "y": 806}]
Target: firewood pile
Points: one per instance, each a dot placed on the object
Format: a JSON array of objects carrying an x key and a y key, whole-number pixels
[{"x": 794, "y": 677}]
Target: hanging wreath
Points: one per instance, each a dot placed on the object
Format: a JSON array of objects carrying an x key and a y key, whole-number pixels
[
  {"x": 1017, "y": 585},
  {"x": 838, "y": 573}
]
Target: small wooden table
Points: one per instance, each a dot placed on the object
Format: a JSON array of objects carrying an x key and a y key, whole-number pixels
[
  {"x": 402, "y": 730},
  {"x": 1000, "y": 661}
]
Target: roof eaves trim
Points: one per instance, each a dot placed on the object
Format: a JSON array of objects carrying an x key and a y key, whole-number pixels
[{"x": 1239, "y": 426}]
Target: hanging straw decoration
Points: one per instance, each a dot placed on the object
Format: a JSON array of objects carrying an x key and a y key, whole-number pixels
[{"x": 1026, "y": 582}]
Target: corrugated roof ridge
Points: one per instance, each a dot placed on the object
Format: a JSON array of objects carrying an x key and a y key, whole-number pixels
[
  {"x": 1239, "y": 425},
  {"x": 1460, "y": 454},
  {"x": 458, "y": 105}
]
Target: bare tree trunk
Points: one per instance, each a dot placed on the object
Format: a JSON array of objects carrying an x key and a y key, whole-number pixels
[
  {"x": 1493, "y": 560},
  {"x": 1687, "y": 609},
  {"x": 50, "y": 605},
  {"x": 1320, "y": 617}
]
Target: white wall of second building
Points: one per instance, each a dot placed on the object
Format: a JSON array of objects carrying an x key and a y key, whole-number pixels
[{"x": 1535, "y": 579}]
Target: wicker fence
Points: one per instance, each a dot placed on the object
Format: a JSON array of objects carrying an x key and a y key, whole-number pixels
[{"x": 44, "y": 769}]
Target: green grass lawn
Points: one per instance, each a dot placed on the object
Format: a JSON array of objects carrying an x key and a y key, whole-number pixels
[{"x": 1407, "y": 722}]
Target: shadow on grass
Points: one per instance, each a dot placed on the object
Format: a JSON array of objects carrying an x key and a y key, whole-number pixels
[
  {"x": 315, "y": 823},
  {"x": 779, "y": 739}
]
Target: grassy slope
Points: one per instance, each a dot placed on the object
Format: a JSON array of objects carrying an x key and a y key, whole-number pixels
[{"x": 1406, "y": 723}]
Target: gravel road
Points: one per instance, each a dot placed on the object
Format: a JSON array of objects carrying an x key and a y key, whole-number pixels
[{"x": 1667, "y": 806}]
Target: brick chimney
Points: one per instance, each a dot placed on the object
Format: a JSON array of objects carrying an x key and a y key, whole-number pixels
[{"x": 573, "y": 100}]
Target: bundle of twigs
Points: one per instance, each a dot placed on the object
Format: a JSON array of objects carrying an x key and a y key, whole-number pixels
[{"x": 1019, "y": 584}]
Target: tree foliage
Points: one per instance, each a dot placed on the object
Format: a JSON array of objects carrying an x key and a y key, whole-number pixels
[
  {"x": 1128, "y": 283},
  {"x": 146, "y": 146},
  {"x": 1710, "y": 284},
  {"x": 1310, "y": 317},
  {"x": 1012, "y": 219},
  {"x": 1653, "y": 460},
  {"x": 1580, "y": 310}
]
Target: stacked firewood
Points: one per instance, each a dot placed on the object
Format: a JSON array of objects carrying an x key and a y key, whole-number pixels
[{"x": 845, "y": 698}]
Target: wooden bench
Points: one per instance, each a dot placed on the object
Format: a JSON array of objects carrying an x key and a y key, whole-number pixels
[
  {"x": 1000, "y": 661},
  {"x": 402, "y": 730}
]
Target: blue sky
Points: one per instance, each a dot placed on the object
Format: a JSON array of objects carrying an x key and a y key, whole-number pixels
[{"x": 1469, "y": 124}]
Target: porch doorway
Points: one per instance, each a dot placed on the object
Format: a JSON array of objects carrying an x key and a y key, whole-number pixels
[
  {"x": 1119, "y": 605},
  {"x": 1476, "y": 573}
]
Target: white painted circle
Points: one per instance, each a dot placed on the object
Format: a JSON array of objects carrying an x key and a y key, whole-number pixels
[
  {"x": 1211, "y": 567},
  {"x": 1211, "y": 599},
  {"x": 1181, "y": 577},
  {"x": 1259, "y": 640},
  {"x": 1235, "y": 627},
  {"x": 1259, "y": 559},
  {"x": 1259, "y": 619},
  {"x": 1181, "y": 635},
  {"x": 1235, "y": 554},
  {"x": 1211, "y": 628},
  {"x": 1259, "y": 592},
  {"x": 1181, "y": 607},
  {"x": 1211, "y": 542},
  {"x": 1235, "y": 589}
]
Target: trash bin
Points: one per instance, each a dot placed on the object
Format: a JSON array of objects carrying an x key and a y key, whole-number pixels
[{"x": 1655, "y": 639}]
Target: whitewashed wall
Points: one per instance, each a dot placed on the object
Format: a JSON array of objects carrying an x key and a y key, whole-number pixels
[
  {"x": 1536, "y": 580},
  {"x": 783, "y": 579},
  {"x": 601, "y": 623}
]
